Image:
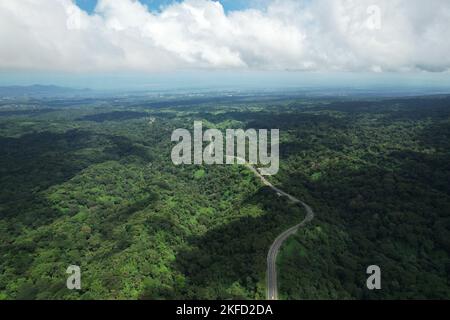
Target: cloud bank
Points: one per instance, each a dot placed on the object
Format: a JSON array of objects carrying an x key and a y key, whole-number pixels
[{"x": 316, "y": 35}]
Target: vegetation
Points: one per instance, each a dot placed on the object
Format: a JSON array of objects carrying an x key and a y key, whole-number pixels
[{"x": 92, "y": 184}]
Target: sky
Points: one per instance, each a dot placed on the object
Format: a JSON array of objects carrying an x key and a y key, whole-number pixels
[
  {"x": 157, "y": 5},
  {"x": 113, "y": 40}
]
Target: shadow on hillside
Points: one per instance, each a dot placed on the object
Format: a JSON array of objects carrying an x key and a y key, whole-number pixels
[
  {"x": 392, "y": 213},
  {"x": 35, "y": 162},
  {"x": 233, "y": 255}
]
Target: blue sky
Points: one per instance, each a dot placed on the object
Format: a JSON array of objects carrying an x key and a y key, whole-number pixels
[{"x": 155, "y": 5}]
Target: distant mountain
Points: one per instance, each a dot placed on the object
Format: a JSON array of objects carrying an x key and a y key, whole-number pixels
[{"x": 40, "y": 91}]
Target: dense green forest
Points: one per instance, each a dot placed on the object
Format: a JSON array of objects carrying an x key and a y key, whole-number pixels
[{"x": 91, "y": 183}]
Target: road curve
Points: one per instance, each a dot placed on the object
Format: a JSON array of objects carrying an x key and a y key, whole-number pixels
[{"x": 272, "y": 284}]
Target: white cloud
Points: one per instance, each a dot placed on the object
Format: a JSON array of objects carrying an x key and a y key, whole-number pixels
[{"x": 328, "y": 35}]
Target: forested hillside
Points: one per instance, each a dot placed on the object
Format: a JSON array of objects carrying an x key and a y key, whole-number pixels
[{"x": 91, "y": 183}]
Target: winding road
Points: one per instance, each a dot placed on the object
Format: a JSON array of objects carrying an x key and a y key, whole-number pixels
[{"x": 272, "y": 284}]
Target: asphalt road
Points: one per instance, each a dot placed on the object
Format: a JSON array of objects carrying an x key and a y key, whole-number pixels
[{"x": 272, "y": 284}]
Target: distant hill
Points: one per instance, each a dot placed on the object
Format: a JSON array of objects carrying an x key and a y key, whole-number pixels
[{"x": 40, "y": 91}]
